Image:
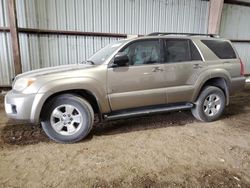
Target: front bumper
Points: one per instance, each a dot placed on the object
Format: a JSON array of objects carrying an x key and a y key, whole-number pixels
[{"x": 18, "y": 105}]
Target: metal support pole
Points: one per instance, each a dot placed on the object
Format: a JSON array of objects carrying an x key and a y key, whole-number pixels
[
  {"x": 14, "y": 36},
  {"x": 215, "y": 11}
]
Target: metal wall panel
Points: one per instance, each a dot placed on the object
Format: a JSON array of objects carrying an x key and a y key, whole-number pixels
[
  {"x": 6, "y": 65},
  {"x": 115, "y": 16},
  {"x": 235, "y": 24},
  {"x": 4, "y": 22},
  {"x": 6, "y": 59},
  {"x": 45, "y": 51},
  {"x": 243, "y": 50}
]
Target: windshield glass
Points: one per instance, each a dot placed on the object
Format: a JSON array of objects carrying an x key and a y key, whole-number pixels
[{"x": 100, "y": 56}]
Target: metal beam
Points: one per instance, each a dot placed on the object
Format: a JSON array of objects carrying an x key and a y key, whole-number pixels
[
  {"x": 63, "y": 32},
  {"x": 240, "y": 40},
  {"x": 66, "y": 32},
  {"x": 242, "y": 3},
  {"x": 14, "y": 36},
  {"x": 4, "y": 29},
  {"x": 5, "y": 87},
  {"x": 80, "y": 33}
]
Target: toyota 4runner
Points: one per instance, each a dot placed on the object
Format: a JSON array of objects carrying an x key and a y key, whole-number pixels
[{"x": 157, "y": 73}]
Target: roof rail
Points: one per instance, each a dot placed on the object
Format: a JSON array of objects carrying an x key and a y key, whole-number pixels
[{"x": 189, "y": 34}]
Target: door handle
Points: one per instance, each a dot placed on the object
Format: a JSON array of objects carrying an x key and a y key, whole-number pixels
[
  {"x": 157, "y": 69},
  {"x": 197, "y": 66}
]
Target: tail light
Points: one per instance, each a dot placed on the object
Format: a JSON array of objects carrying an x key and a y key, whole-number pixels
[{"x": 241, "y": 68}]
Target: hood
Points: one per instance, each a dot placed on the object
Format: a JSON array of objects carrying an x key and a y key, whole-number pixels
[{"x": 53, "y": 70}]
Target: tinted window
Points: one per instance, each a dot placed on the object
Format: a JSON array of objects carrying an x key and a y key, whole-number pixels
[
  {"x": 143, "y": 52},
  {"x": 177, "y": 50},
  {"x": 194, "y": 52},
  {"x": 222, "y": 49}
]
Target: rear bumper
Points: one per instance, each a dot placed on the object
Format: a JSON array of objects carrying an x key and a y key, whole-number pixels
[{"x": 237, "y": 84}]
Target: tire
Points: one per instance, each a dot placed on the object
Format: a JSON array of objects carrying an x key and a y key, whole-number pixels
[
  {"x": 210, "y": 105},
  {"x": 67, "y": 118}
]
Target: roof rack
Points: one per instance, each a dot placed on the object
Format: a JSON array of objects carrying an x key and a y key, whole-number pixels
[{"x": 189, "y": 34}]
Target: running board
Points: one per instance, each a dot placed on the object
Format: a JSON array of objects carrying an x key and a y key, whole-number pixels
[{"x": 147, "y": 110}]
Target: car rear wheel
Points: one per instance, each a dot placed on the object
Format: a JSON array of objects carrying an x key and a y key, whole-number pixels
[
  {"x": 210, "y": 104},
  {"x": 67, "y": 118}
]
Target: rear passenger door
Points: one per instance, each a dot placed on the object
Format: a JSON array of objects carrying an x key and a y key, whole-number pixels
[{"x": 182, "y": 61}]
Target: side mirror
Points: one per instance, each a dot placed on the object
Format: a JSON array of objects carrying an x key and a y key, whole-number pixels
[{"x": 121, "y": 59}]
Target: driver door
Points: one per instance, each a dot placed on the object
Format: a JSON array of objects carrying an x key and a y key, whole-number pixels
[{"x": 142, "y": 82}]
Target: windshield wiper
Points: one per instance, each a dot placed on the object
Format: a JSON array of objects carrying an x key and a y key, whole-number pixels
[{"x": 88, "y": 62}]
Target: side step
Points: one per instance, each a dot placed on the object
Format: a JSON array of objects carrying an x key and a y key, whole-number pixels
[{"x": 121, "y": 114}]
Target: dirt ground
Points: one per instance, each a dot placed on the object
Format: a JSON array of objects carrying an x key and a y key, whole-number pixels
[{"x": 166, "y": 150}]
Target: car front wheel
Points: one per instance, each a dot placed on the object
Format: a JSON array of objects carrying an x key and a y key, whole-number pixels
[{"x": 67, "y": 118}]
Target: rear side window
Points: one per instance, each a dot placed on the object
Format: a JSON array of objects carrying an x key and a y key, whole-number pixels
[
  {"x": 177, "y": 51},
  {"x": 194, "y": 52},
  {"x": 180, "y": 50},
  {"x": 222, "y": 49}
]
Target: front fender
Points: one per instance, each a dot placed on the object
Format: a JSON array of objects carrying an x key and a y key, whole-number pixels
[{"x": 63, "y": 85}]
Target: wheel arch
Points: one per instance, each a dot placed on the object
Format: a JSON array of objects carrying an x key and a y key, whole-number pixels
[
  {"x": 221, "y": 82},
  {"x": 86, "y": 94}
]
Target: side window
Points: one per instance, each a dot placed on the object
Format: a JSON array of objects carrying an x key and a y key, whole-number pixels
[
  {"x": 143, "y": 52},
  {"x": 177, "y": 50},
  {"x": 222, "y": 49},
  {"x": 194, "y": 52}
]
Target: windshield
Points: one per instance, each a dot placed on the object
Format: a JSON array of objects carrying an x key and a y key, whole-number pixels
[{"x": 100, "y": 56}]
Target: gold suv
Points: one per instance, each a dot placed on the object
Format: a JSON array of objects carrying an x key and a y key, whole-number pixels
[{"x": 160, "y": 72}]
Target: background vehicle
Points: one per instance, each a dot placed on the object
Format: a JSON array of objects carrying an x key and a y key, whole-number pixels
[{"x": 157, "y": 73}]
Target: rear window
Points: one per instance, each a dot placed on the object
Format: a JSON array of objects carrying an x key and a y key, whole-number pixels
[
  {"x": 222, "y": 49},
  {"x": 177, "y": 51}
]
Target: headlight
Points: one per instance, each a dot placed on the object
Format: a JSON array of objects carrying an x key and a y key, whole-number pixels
[{"x": 22, "y": 83}]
